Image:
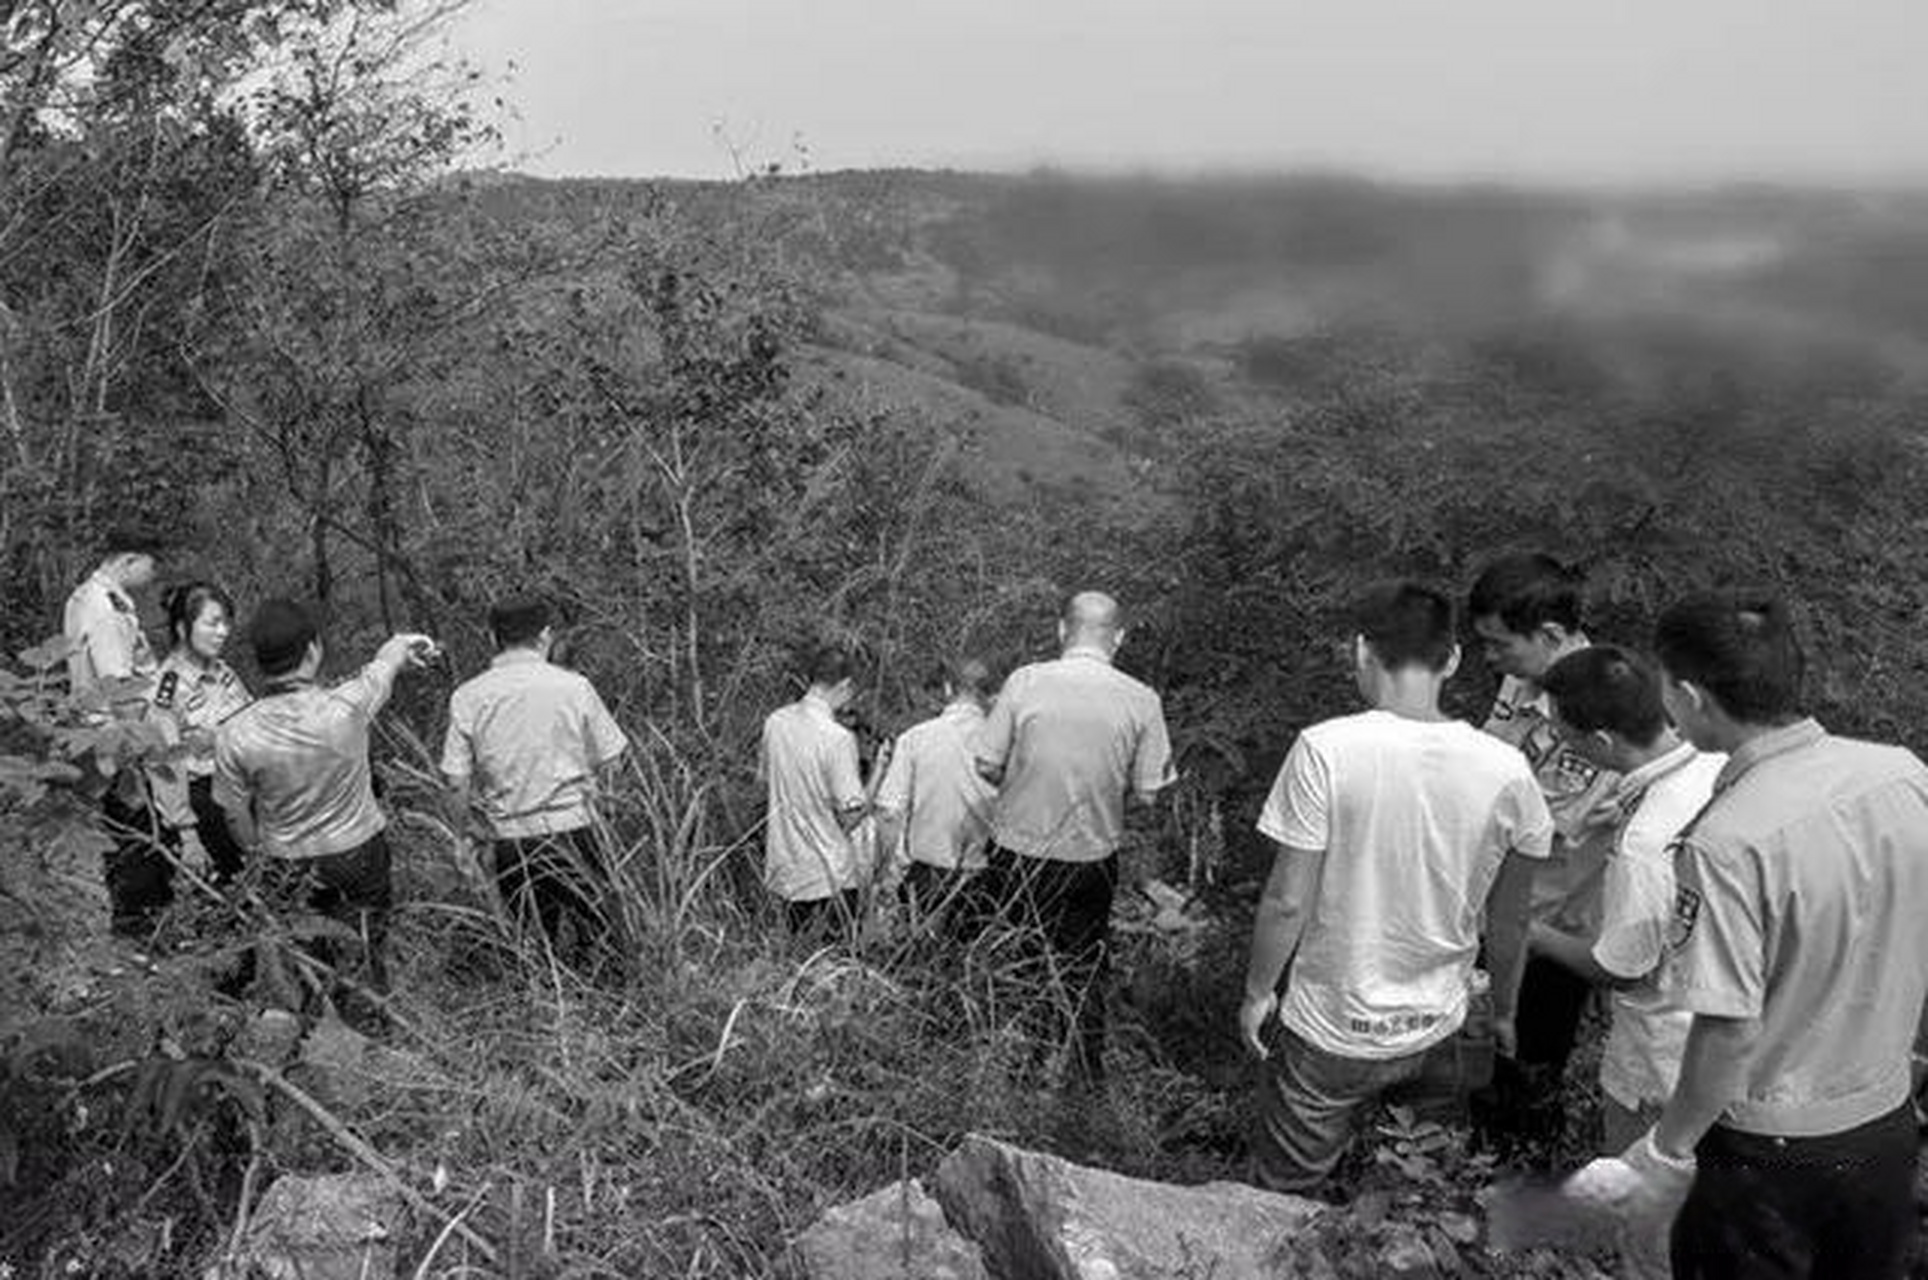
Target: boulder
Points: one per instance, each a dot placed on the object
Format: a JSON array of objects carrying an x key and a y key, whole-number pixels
[
  {"x": 896, "y": 1232},
  {"x": 1038, "y": 1217},
  {"x": 333, "y": 1227}
]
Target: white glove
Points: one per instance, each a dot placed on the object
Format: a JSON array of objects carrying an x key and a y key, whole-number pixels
[
  {"x": 194, "y": 854},
  {"x": 1637, "y": 1182}
]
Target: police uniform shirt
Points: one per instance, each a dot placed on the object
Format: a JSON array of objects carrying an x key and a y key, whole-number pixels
[
  {"x": 1566, "y": 890},
  {"x": 809, "y": 763},
  {"x": 299, "y": 757},
  {"x": 104, "y": 630},
  {"x": 933, "y": 780},
  {"x": 1803, "y": 892},
  {"x": 531, "y": 735},
  {"x": 1072, "y": 736},
  {"x": 193, "y": 700}
]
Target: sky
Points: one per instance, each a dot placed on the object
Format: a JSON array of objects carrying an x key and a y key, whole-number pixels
[{"x": 1546, "y": 91}]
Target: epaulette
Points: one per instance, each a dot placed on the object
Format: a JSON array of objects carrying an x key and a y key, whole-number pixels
[
  {"x": 164, "y": 696},
  {"x": 120, "y": 602}
]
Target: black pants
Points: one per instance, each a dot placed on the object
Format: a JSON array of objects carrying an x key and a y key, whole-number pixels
[
  {"x": 1524, "y": 1100},
  {"x": 951, "y": 900},
  {"x": 554, "y": 878},
  {"x": 140, "y": 879},
  {"x": 355, "y": 889},
  {"x": 819, "y": 918},
  {"x": 211, "y": 822},
  {"x": 1839, "y": 1207},
  {"x": 1061, "y": 912}
]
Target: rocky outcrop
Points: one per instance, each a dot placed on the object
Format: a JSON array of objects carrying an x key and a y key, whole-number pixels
[
  {"x": 1022, "y": 1215},
  {"x": 896, "y": 1232},
  {"x": 333, "y": 1227}
]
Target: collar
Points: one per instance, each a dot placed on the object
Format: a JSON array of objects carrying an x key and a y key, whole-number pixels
[
  {"x": 114, "y": 590},
  {"x": 1634, "y": 785},
  {"x": 1088, "y": 651},
  {"x": 1775, "y": 742},
  {"x": 963, "y": 709},
  {"x": 520, "y": 656},
  {"x": 815, "y": 705},
  {"x": 287, "y": 684}
]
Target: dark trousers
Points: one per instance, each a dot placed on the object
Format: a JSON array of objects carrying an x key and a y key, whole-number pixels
[
  {"x": 1061, "y": 912},
  {"x": 951, "y": 900},
  {"x": 140, "y": 879},
  {"x": 818, "y": 918},
  {"x": 1524, "y": 1101},
  {"x": 554, "y": 878},
  {"x": 355, "y": 889},
  {"x": 1839, "y": 1207},
  {"x": 211, "y": 822}
]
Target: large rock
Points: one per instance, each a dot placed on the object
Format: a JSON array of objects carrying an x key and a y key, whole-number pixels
[
  {"x": 334, "y": 1227},
  {"x": 888, "y": 1235},
  {"x": 1037, "y": 1217}
]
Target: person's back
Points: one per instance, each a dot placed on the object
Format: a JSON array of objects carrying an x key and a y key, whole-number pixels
[
  {"x": 933, "y": 778},
  {"x": 811, "y": 766},
  {"x": 1082, "y": 734},
  {"x": 536, "y": 734},
  {"x": 300, "y": 754},
  {"x": 1421, "y": 815},
  {"x": 1834, "y": 834}
]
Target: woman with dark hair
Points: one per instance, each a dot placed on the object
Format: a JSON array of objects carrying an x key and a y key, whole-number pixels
[{"x": 196, "y": 691}]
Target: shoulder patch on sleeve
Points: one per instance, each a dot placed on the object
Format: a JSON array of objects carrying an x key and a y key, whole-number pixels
[
  {"x": 1686, "y": 915},
  {"x": 170, "y": 685},
  {"x": 121, "y": 603}
]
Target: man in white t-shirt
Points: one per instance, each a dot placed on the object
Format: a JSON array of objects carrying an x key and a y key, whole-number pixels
[
  {"x": 1607, "y": 706},
  {"x": 809, "y": 762},
  {"x": 1396, "y": 827}
]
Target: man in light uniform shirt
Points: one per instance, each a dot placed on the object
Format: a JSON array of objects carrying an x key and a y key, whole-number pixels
[
  {"x": 1607, "y": 705},
  {"x": 291, "y": 771},
  {"x": 110, "y": 669},
  {"x": 526, "y": 739},
  {"x": 816, "y": 799},
  {"x": 1527, "y": 612},
  {"x": 933, "y": 808},
  {"x": 1798, "y": 944},
  {"x": 1064, "y": 743},
  {"x": 1395, "y": 828}
]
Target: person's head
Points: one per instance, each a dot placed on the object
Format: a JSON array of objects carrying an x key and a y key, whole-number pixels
[
  {"x": 1525, "y": 609},
  {"x": 966, "y": 678},
  {"x": 285, "y": 638},
  {"x": 200, "y": 617},
  {"x": 1729, "y": 661},
  {"x": 128, "y": 559},
  {"x": 521, "y": 622},
  {"x": 1607, "y": 705},
  {"x": 1092, "y": 620},
  {"x": 1403, "y": 635},
  {"x": 832, "y": 674}
]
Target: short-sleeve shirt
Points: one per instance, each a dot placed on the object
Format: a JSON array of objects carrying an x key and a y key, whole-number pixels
[
  {"x": 104, "y": 630},
  {"x": 1566, "y": 890},
  {"x": 194, "y": 700},
  {"x": 1803, "y": 903},
  {"x": 1072, "y": 736},
  {"x": 1648, "y": 1033},
  {"x": 934, "y": 783},
  {"x": 809, "y": 763},
  {"x": 1415, "y": 818},
  {"x": 299, "y": 756},
  {"x": 530, "y": 735}
]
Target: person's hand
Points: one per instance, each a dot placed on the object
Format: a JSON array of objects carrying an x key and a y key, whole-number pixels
[
  {"x": 1252, "y": 1017},
  {"x": 1639, "y": 1182},
  {"x": 407, "y": 649},
  {"x": 1506, "y": 1037},
  {"x": 194, "y": 854}
]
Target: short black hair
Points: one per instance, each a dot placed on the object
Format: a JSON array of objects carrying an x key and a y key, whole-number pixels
[
  {"x": 183, "y": 604},
  {"x": 281, "y": 631},
  {"x": 828, "y": 665},
  {"x": 1406, "y": 624},
  {"x": 1527, "y": 590},
  {"x": 518, "y": 620},
  {"x": 1740, "y": 647},
  {"x": 130, "y": 540},
  {"x": 1607, "y": 687}
]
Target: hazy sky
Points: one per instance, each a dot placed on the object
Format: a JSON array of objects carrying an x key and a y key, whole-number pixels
[{"x": 1552, "y": 90}]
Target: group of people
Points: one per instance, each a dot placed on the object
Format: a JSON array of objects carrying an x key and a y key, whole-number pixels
[
  {"x": 281, "y": 777},
  {"x": 1666, "y": 828}
]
